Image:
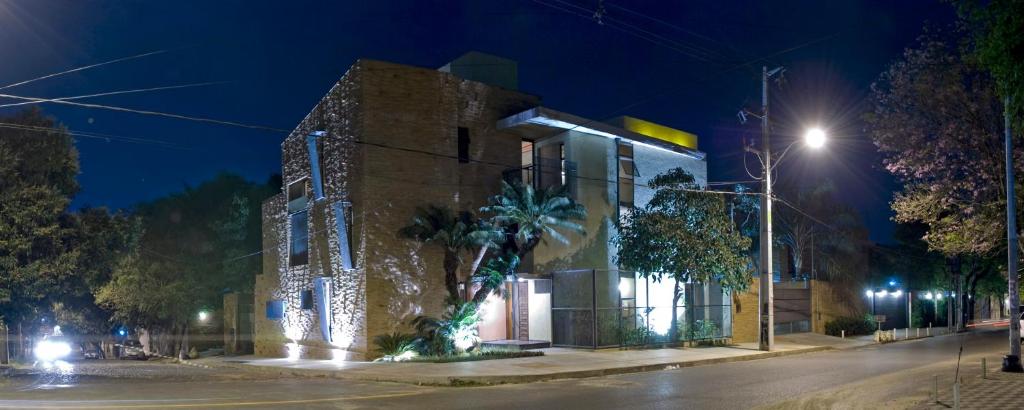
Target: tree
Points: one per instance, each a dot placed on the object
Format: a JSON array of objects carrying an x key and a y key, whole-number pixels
[
  {"x": 937, "y": 120},
  {"x": 453, "y": 233},
  {"x": 100, "y": 240},
  {"x": 193, "y": 247},
  {"x": 998, "y": 31},
  {"x": 683, "y": 234},
  {"x": 38, "y": 165},
  {"x": 527, "y": 217}
]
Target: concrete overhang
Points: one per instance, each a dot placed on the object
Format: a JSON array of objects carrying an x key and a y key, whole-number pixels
[{"x": 539, "y": 122}]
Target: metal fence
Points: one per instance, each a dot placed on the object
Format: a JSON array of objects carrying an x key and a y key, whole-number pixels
[{"x": 610, "y": 308}]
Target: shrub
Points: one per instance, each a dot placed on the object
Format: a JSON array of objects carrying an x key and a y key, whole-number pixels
[
  {"x": 852, "y": 325},
  {"x": 455, "y": 332},
  {"x": 395, "y": 346}
]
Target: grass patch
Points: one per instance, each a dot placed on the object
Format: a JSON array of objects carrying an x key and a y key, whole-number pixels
[{"x": 475, "y": 356}]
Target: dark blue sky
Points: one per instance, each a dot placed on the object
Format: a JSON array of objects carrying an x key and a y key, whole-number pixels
[{"x": 277, "y": 59}]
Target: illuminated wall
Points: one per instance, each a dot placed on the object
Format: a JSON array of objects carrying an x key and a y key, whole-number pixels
[{"x": 390, "y": 138}]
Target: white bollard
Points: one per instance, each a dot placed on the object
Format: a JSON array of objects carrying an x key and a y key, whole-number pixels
[
  {"x": 843, "y": 332},
  {"x": 906, "y": 333},
  {"x": 929, "y": 332},
  {"x": 956, "y": 396},
  {"x": 936, "y": 388},
  {"x": 918, "y": 332}
]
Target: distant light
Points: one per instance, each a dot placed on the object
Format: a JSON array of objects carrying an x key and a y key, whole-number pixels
[
  {"x": 928, "y": 296},
  {"x": 122, "y": 332},
  {"x": 869, "y": 293},
  {"x": 938, "y": 295},
  {"x": 815, "y": 138},
  {"x": 203, "y": 315},
  {"x": 897, "y": 293},
  {"x": 892, "y": 283},
  {"x": 881, "y": 293}
]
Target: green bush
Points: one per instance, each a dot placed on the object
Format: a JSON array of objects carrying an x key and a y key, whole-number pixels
[
  {"x": 852, "y": 325},
  {"x": 394, "y": 345},
  {"x": 455, "y": 332}
]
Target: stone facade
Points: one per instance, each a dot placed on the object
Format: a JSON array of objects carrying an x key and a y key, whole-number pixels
[{"x": 389, "y": 146}]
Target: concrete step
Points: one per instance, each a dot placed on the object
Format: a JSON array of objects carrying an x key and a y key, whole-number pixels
[{"x": 517, "y": 344}]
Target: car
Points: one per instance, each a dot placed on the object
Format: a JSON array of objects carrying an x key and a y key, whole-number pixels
[
  {"x": 92, "y": 352},
  {"x": 132, "y": 349},
  {"x": 53, "y": 348}
]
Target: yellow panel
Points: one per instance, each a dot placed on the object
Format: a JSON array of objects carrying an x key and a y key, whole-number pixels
[{"x": 660, "y": 132}]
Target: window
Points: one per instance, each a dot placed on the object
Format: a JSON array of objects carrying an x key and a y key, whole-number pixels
[
  {"x": 463, "y": 145},
  {"x": 306, "y": 299},
  {"x": 297, "y": 196},
  {"x": 627, "y": 175},
  {"x": 298, "y": 239},
  {"x": 527, "y": 161},
  {"x": 343, "y": 223},
  {"x": 561, "y": 161}
]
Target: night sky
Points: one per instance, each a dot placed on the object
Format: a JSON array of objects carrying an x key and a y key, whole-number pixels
[{"x": 275, "y": 60}]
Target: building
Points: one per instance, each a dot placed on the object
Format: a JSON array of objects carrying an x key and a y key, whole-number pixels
[{"x": 388, "y": 138}]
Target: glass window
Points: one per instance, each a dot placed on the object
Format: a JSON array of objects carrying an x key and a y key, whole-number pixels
[
  {"x": 297, "y": 196},
  {"x": 627, "y": 175},
  {"x": 298, "y": 239}
]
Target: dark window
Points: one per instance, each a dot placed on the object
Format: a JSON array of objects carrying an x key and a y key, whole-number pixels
[
  {"x": 275, "y": 309},
  {"x": 627, "y": 175},
  {"x": 561, "y": 161},
  {"x": 297, "y": 197},
  {"x": 463, "y": 145},
  {"x": 298, "y": 239},
  {"x": 306, "y": 301}
]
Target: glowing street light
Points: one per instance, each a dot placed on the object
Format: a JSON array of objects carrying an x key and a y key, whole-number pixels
[
  {"x": 203, "y": 315},
  {"x": 815, "y": 138}
]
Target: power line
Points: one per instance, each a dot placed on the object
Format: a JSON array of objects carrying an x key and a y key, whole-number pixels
[
  {"x": 147, "y": 112},
  {"x": 93, "y": 135},
  {"x": 116, "y": 60},
  {"x": 108, "y": 93}
]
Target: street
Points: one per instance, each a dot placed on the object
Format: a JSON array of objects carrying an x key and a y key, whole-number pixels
[{"x": 897, "y": 375}]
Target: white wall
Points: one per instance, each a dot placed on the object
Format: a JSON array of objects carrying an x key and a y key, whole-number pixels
[{"x": 540, "y": 313}]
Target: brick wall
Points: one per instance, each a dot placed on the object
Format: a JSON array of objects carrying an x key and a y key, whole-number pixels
[
  {"x": 830, "y": 301},
  {"x": 744, "y": 314},
  {"x": 390, "y": 147}
]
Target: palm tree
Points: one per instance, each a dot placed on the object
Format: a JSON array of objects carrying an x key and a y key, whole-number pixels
[
  {"x": 528, "y": 217},
  {"x": 453, "y": 232}
]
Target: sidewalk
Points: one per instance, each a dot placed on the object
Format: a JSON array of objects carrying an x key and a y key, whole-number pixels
[
  {"x": 997, "y": 390},
  {"x": 557, "y": 363}
]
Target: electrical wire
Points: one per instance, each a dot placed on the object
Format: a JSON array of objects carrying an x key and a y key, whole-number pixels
[
  {"x": 116, "y": 60},
  {"x": 93, "y": 135},
  {"x": 108, "y": 93}
]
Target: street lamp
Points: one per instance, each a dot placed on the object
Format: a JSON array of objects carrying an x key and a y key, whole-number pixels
[
  {"x": 815, "y": 138},
  {"x": 203, "y": 315}
]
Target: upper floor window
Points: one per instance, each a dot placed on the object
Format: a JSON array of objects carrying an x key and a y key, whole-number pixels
[
  {"x": 298, "y": 238},
  {"x": 463, "y": 145},
  {"x": 627, "y": 175},
  {"x": 297, "y": 195}
]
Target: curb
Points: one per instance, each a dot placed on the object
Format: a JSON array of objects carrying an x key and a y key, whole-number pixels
[{"x": 521, "y": 379}]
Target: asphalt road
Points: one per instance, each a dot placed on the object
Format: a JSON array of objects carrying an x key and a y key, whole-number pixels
[{"x": 893, "y": 375}]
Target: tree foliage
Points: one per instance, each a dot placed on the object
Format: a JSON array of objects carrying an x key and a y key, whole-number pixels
[
  {"x": 684, "y": 234},
  {"x": 193, "y": 247},
  {"x": 937, "y": 119},
  {"x": 38, "y": 166},
  {"x": 527, "y": 217},
  {"x": 454, "y": 232}
]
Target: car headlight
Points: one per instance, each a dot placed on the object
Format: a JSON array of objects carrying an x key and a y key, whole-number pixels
[{"x": 48, "y": 351}]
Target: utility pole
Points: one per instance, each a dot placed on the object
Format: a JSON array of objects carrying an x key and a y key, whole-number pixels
[
  {"x": 1011, "y": 362},
  {"x": 766, "y": 337}
]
